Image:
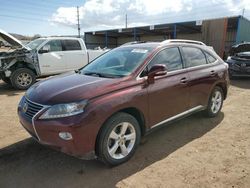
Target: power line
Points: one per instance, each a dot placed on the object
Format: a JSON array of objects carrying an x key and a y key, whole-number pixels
[
  {"x": 22, "y": 18},
  {"x": 33, "y": 6},
  {"x": 25, "y": 12}
]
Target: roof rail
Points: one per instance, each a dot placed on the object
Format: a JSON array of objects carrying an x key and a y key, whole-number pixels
[
  {"x": 182, "y": 41},
  {"x": 133, "y": 42}
]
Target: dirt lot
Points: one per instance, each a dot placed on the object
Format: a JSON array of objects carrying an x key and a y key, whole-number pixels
[{"x": 194, "y": 152}]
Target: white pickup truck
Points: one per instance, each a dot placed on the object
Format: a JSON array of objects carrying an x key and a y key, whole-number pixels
[{"x": 20, "y": 64}]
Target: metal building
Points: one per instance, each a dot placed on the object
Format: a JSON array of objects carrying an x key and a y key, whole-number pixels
[{"x": 220, "y": 33}]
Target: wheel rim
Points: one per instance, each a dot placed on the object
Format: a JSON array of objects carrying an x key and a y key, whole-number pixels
[
  {"x": 24, "y": 79},
  {"x": 121, "y": 140},
  {"x": 216, "y": 101}
]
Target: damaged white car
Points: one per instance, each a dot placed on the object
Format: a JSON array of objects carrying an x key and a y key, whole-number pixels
[{"x": 21, "y": 65}]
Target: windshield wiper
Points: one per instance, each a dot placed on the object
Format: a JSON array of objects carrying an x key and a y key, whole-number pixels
[
  {"x": 102, "y": 75},
  {"x": 94, "y": 74}
]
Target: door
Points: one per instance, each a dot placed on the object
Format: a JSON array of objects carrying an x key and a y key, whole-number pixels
[
  {"x": 168, "y": 95},
  {"x": 76, "y": 56},
  {"x": 202, "y": 74},
  {"x": 51, "y": 58}
]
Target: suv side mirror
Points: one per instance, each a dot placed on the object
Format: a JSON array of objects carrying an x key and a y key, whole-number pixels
[
  {"x": 44, "y": 49},
  {"x": 157, "y": 70}
]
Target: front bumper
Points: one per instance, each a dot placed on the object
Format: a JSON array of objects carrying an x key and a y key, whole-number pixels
[
  {"x": 238, "y": 70},
  {"x": 47, "y": 132}
]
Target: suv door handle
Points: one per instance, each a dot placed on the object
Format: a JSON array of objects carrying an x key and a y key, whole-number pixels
[
  {"x": 184, "y": 80},
  {"x": 212, "y": 73}
]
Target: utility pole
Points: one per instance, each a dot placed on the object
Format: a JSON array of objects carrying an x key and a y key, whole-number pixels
[
  {"x": 243, "y": 12},
  {"x": 78, "y": 23},
  {"x": 126, "y": 21}
]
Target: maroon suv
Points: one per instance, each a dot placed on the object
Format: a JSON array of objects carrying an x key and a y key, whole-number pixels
[{"x": 107, "y": 106}]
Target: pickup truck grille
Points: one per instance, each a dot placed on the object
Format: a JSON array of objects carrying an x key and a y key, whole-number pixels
[{"x": 30, "y": 108}]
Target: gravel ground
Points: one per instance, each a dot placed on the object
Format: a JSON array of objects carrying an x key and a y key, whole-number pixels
[{"x": 193, "y": 152}]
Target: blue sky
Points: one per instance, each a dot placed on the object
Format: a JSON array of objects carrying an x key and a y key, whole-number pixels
[
  {"x": 30, "y": 17},
  {"x": 58, "y": 17}
]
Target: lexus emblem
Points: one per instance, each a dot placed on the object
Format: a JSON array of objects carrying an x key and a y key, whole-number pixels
[
  {"x": 243, "y": 64},
  {"x": 25, "y": 107}
]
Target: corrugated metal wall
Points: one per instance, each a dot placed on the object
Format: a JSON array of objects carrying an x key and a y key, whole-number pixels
[
  {"x": 243, "y": 31},
  {"x": 214, "y": 34},
  {"x": 93, "y": 41},
  {"x": 219, "y": 33}
]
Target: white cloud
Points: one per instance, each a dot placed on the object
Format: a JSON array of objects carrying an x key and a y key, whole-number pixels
[
  {"x": 150, "y": 7},
  {"x": 103, "y": 14}
]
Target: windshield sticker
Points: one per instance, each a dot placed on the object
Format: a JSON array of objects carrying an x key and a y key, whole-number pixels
[{"x": 143, "y": 51}]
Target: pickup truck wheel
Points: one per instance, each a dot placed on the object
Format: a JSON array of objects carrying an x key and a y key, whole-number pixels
[
  {"x": 118, "y": 139},
  {"x": 22, "y": 78},
  {"x": 215, "y": 102}
]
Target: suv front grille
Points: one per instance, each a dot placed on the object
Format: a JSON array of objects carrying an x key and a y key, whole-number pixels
[
  {"x": 240, "y": 64},
  {"x": 31, "y": 108}
]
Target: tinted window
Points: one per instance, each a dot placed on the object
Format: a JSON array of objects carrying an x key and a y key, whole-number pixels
[
  {"x": 194, "y": 56},
  {"x": 169, "y": 57},
  {"x": 210, "y": 58},
  {"x": 70, "y": 45},
  {"x": 54, "y": 45}
]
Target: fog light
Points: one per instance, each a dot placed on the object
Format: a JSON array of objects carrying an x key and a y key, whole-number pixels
[{"x": 65, "y": 135}]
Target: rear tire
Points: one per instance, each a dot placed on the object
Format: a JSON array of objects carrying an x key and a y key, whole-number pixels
[
  {"x": 215, "y": 102},
  {"x": 118, "y": 139},
  {"x": 22, "y": 78}
]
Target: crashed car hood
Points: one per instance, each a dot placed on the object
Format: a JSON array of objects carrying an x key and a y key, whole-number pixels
[
  {"x": 11, "y": 40},
  {"x": 237, "y": 49}
]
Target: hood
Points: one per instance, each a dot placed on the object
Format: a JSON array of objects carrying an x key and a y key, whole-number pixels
[
  {"x": 243, "y": 47},
  {"x": 11, "y": 40},
  {"x": 242, "y": 56},
  {"x": 68, "y": 88}
]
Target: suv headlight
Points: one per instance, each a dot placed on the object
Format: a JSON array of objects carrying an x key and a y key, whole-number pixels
[{"x": 64, "y": 110}]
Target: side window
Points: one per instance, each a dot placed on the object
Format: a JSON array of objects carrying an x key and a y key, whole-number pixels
[
  {"x": 54, "y": 45},
  {"x": 210, "y": 58},
  {"x": 170, "y": 57},
  {"x": 71, "y": 45},
  {"x": 194, "y": 56}
]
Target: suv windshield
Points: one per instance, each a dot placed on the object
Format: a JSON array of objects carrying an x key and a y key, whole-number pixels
[
  {"x": 119, "y": 62},
  {"x": 35, "y": 43}
]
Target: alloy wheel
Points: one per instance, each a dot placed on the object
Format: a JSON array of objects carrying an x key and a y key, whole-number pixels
[
  {"x": 121, "y": 140},
  {"x": 216, "y": 102}
]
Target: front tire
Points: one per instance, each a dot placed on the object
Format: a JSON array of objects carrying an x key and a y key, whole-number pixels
[
  {"x": 118, "y": 139},
  {"x": 215, "y": 102},
  {"x": 22, "y": 78}
]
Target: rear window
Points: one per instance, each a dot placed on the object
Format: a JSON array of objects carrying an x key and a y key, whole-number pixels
[
  {"x": 71, "y": 45},
  {"x": 210, "y": 58},
  {"x": 194, "y": 56}
]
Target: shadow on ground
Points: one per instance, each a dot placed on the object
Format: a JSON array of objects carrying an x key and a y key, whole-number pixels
[
  {"x": 7, "y": 89},
  {"x": 29, "y": 164},
  {"x": 243, "y": 83}
]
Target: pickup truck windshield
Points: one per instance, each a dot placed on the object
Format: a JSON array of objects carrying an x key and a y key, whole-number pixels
[
  {"x": 119, "y": 62},
  {"x": 35, "y": 43}
]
